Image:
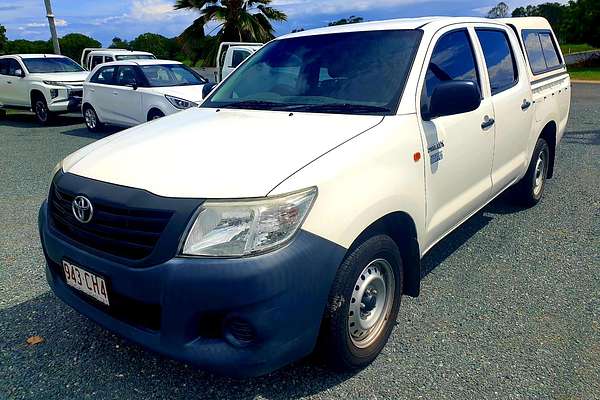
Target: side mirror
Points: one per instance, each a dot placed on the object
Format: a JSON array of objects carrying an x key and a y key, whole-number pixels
[
  {"x": 207, "y": 88},
  {"x": 454, "y": 97},
  {"x": 19, "y": 72},
  {"x": 133, "y": 84}
]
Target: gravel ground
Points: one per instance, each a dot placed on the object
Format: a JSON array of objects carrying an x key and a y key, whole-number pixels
[{"x": 510, "y": 305}]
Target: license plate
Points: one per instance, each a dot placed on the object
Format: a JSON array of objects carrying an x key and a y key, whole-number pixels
[{"x": 86, "y": 282}]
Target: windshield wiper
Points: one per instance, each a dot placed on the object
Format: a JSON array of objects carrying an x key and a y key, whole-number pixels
[
  {"x": 253, "y": 105},
  {"x": 339, "y": 108}
]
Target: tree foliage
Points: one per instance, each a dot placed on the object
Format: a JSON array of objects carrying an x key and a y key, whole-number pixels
[
  {"x": 118, "y": 43},
  {"x": 72, "y": 45},
  {"x": 345, "y": 21},
  {"x": 3, "y": 39},
  {"x": 501, "y": 10},
  {"x": 238, "y": 21}
]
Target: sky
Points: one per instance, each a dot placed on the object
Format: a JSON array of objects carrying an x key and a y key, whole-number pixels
[{"x": 105, "y": 19}]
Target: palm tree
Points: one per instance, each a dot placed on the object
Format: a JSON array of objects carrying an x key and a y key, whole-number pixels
[{"x": 238, "y": 20}]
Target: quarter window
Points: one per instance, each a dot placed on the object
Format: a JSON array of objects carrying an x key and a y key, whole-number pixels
[
  {"x": 452, "y": 59},
  {"x": 500, "y": 60},
  {"x": 104, "y": 76},
  {"x": 238, "y": 57},
  {"x": 96, "y": 60},
  {"x": 550, "y": 53}
]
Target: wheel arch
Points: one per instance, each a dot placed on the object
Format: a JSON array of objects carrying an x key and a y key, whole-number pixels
[
  {"x": 153, "y": 110},
  {"x": 402, "y": 229},
  {"x": 549, "y": 135},
  {"x": 34, "y": 94}
]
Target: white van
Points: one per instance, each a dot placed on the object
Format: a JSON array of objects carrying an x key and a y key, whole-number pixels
[
  {"x": 92, "y": 57},
  {"x": 293, "y": 207}
]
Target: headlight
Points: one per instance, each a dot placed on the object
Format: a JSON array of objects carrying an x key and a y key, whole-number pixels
[
  {"x": 238, "y": 228},
  {"x": 180, "y": 103},
  {"x": 54, "y": 83}
]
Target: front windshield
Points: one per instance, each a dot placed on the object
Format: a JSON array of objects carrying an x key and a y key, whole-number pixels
[
  {"x": 351, "y": 73},
  {"x": 51, "y": 64},
  {"x": 136, "y": 57},
  {"x": 171, "y": 75}
]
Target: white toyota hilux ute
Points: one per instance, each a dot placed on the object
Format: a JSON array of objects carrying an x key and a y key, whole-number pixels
[
  {"x": 46, "y": 84},
  {"x": 290, "y": 211}
]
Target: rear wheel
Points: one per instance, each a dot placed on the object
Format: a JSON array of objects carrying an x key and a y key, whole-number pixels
[
  {"x": 42, "y": 113},
  {"x": 91, "y": 119},
  {"x": 363, "y": 304},
  {"x": 155, "y": 114},
  {"x": 529, "y": 191}
]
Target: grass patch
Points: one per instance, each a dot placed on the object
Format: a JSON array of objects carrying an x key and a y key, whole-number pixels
[
  {"x": 576, "y": 48},
  {"x": 585, "y": 73}
]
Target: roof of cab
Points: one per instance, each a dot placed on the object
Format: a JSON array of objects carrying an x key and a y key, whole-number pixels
[
  {"x": 522, "y": 23},
  {"x": 141, "y": 62},
  {"x": 38, "y": 55},
  {"x": 425, "y": 23}
]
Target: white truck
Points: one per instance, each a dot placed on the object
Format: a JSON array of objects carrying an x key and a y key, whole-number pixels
[
  {"x": 293, "y": 207},
  {"x": 92, "y": 57},
  {"x": 46, "y": 84}
]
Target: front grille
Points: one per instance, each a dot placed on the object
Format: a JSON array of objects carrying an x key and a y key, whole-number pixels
[{"x": 121, "y": 231}]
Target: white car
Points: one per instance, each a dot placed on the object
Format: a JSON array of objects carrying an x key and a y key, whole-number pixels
[
  {"x": 128, "y": 93},
  {"x": 92, "y": 57},
  {"x": 293, "y": 207},
  {"x": 46, "y": 84}
]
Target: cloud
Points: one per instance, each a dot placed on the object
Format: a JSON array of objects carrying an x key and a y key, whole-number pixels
[
  {"x": 144, "y": 11},
  {"x": 303, "y": 7}
]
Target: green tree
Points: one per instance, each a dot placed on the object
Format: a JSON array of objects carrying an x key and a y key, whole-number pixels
[
  {"x": 499, "y": 11},
  {"x": 238, "y": 20},
  {"x": 3, "y": 39},
  {"x": 153, "y": 43},
  {"x": 345, "y": 21},
  {"x": 22, "y": 46},
  {"x": 118, "y": 43},
  {"x": 72, "y": 45}
]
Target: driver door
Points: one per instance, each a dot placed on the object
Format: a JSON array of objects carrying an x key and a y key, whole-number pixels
[
  {"x": 459, "y": 148},
  {"x": 14, "y": 86}
]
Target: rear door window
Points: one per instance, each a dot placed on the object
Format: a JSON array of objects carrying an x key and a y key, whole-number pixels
[
  {"x": 104, "y": 76},
  {"x": 452, "y": 59},
  {"x": 499, "y": 58}
]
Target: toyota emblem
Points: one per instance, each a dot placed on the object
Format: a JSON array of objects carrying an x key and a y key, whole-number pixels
[{"x": 82, "y": 209}]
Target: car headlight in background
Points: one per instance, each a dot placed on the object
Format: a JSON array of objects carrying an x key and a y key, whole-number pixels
[
  {"x": 180, "y": 103},
  {"x": 239, "y": 228}
]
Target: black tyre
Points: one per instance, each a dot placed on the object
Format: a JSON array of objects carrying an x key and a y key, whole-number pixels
[
  {"x": 363, "y": 304},
  {"x": 2, "y": 113},
  {"x": 92, "y": 122},
  {"x": 529, "y": 191},
  {"x": 43, "y": 115},
  {"x": 155, "y": 114}
]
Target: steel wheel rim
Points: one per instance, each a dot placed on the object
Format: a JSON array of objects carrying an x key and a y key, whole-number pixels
[
  {"x": 40, "y": 110},
  {"x": 539, "y": 174},
  {"x": 90, "y": 118},
  {"x": 371, "y": 302},
  {"x": 156, "y": 116}
]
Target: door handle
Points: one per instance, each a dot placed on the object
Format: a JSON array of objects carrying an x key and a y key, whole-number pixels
[
  {"x": 9, "y": 82},
  {"x": 115, "y": 93},
  {"x": 487, "y": 122},
  {"x": 526, "y": 104}
]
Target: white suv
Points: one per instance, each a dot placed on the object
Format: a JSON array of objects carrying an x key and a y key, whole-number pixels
[
  {"x": 293, "y": 207},
  {"x": 47, "y": 84},
  {"x": 128, "y": 93}
]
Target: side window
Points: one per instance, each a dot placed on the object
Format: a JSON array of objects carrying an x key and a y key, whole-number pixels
[
  {"x": 104, "y": 76},
  {"x": 550, "y": 53},
  {"x": 238, "y": 57},
  {"x": 96, "y": 60},
  {"x": 452, "y": 59},
  {"x": 535, "y": 54},
  {"x": 13, "y": 66},
  {"x": 500, "y": 60},
  {"x": 4, "y": 66},
  {"x": 126, "y": 75}
]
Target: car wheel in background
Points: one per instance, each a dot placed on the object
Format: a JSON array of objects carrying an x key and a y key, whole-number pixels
[
  {"x": 529, "y": 191},
  {"x": 155, "y": 114},
  {"x": 363, "y": 304},
  {"x": 91, "y": 119},
  {"x": 43, "y": 115}
]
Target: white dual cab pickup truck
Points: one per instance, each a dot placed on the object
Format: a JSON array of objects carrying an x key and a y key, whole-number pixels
[
  {"x": 44, "y": 83},
  {"x": 293, "y": 207}
]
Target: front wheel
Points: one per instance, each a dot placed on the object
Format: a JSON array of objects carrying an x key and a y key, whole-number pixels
[
  {"x": 155, "y": 114},
  {"x": 363, "y": 304},
  {"x": 529, "y": 191},
  {"x": 42, "y": 113}
]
